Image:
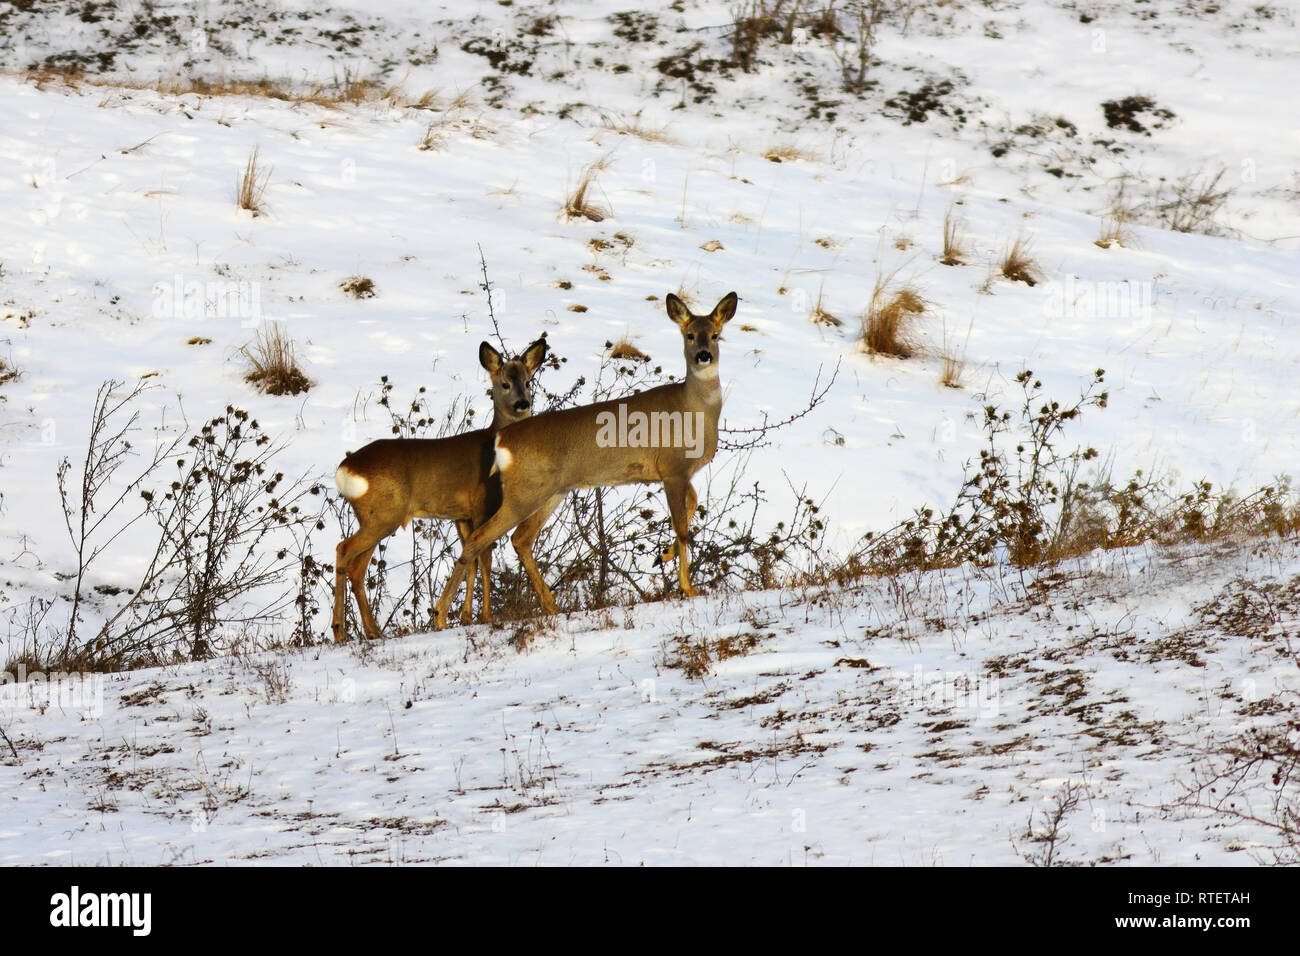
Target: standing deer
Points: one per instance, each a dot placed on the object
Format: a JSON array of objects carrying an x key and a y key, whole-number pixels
[
  {"x": 665, "y": 434},
  {"x": 393, "y": 480}
]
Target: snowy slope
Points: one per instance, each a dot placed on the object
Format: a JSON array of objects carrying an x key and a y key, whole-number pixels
[{"x": 930, "y": 725}]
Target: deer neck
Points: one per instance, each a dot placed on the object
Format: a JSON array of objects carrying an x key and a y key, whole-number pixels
[
  {"x": 500, "y": 419},
  {"x": 703, "y": 389}
]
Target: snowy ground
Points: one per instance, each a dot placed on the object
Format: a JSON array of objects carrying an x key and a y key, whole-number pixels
[
  {"x": 122, "y": 242},
  {"x": 916, "y": 725}
]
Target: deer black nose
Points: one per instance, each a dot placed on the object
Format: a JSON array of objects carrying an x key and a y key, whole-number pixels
[
  {"x": 703, "y": 357},
  {"x": 521, "y": 406}
]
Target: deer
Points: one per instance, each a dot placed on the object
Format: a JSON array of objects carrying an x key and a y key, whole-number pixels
[
  {"x": 665, "y": 434},
  {"x": 394, "y": 480}
]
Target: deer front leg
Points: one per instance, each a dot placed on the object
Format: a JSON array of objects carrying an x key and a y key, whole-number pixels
[
  {"x": 681, "y": 506},
  {"x": 523, "y": 538},
  {"x": 478, "y": 542},
  {"x": 464, "y": 529}
]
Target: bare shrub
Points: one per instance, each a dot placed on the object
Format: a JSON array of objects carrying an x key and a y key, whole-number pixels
[
  {"x": 1193, "y": 203},
  {"x": 1253, "y": 776},
  {"x": 273, "y": 366},
  {"x": 1027, "y": 502},
  {"x": 251, "y": 186},
  {"x": 854, "y": 47},
  {"x": 229, "y": 530}
]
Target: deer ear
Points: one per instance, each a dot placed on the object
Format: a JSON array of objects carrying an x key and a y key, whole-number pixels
[
  {"x": 677, "y": 310},
  {"x": 724, "y": 310},
  {"x": 489, "y": 358},
  {"x": 535, "y": 354}
]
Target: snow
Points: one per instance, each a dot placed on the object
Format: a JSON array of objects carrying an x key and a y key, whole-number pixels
[{"x": 121, "y": 219}]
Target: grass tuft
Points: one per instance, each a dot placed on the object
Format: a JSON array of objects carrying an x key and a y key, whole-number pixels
[
  {"x": 272, "y": 364},
  {"x": 251, "y": 187}
]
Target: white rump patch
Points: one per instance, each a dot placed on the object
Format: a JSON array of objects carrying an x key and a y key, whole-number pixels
[
  {"x": 350, "y": 485},
  {"x": 502, "y": 458}
]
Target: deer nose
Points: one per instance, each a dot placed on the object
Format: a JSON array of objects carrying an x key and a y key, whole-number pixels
[
  {"x": 703, "y": 357},
  {"x": 521, "y": 406}
]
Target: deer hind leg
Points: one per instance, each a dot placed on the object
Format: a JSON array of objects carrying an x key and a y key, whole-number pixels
[
  {"x": 523, "y": 539},
  {"x": 681, "y": 506},
  {"x": 350, "y": 561},
  {"x": 357, "y": 575},
  {"x": 464, "y": 529}
]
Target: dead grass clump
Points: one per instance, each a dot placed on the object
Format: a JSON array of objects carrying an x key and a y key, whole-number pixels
[
  {"x": 1193, "y": 203},
  {"x": 7, "y": 372},
  {"x": 954, "y": 363},
  {"x": 694, "y": 656},
  {"x": 1018, "y": 265},
  {"x": 820, "y": 316},
  {"x": 886, "y": 325},
  {"x": 954, "y": 244},
  {"x": 1115, "y": 229},
  {"x": 198, "y": 340},
  {"x": 635, "y": 127},
  {"x": 273, "y": 366},
  {"x": 785, "y": 153},
  {"x": 359, "y": 287},
  {"x": 578, "y": 205},
  {"x": 624, "y": 349},
  {"x": 251, "y": 187}
]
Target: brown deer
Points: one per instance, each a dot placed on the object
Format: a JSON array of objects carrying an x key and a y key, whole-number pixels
[
  {"x": 393, "y": 480},
  {"x": 664, "y": 434}
]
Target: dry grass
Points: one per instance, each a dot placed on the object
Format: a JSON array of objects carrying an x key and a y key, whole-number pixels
[
  {"x": 624, "y": 349},
  {"x": 578, "y": 205},
  {"x": 7, "y": 372},
  {"x": 785, "y": 153},
  {"x": 889, "y": 316},
  {"x": 1193, "y": 203},
  {"x": 954, "y": 242},
  {"x": 1018, "y": 265},
  {"x": 350, "y": 89},
  {"x": 359, "y": 287},
  {"x": 251, "y": 188},
  {"x": 954, "y": 364},
  {"x": 273, "y": 367},
  {"x": 634, "y": 127},
  {"x": 1116, "y": 220},
  {"x": 198, "y": 340},
  {"x": 820, "y": 316}
]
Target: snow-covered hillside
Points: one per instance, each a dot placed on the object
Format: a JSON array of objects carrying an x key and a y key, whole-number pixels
[
  {"x": 399, "y": 140},
  {"x": 936, "y": 721}
]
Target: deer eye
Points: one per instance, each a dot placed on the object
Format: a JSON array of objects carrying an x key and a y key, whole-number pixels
[{"x": 715, "y": 336}]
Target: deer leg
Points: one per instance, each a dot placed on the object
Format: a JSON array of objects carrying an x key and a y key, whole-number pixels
[
  {"x": 485, "y": 566},
  {"x": 681, "y": 506},
  {"x": 464, "y": 529},
  {"x": 357, "y": 575},
  {"x": 507, "y": 517},
  {"x": 348, "y": 568},
  {"x": 523, "y": 538}
]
